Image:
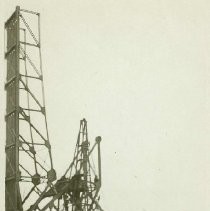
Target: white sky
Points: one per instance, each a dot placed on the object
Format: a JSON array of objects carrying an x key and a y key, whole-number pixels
[{"x": 139, "y": 72}]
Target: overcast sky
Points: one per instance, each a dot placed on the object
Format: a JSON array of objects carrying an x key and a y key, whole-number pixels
[{"x": 139, "y": 72}]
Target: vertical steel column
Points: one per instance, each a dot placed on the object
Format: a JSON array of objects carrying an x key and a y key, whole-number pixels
[
  {"x": 98, "y": 141},
  {"x": 12, "y": 192}
]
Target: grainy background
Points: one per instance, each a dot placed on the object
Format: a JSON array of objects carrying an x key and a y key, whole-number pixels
[{"x": 139, "y": 72}]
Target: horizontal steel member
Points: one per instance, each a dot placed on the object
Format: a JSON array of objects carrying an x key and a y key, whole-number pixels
[
  {"x": 9, "y": 146},
  {"x": 8, "y": 179},
  {"x": 9, "y": 51},
  {"x": 9, "y": 82},
  {"x": 10, "y": 113},
  {"x": 29, "y": 76},
  {"x": 30, "y": 44},
  {"x": 28, "y": 11}
]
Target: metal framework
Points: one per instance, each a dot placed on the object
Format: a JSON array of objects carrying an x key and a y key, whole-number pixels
[
  {"x": 30, "y": 182},
  {"x": 78, "y": 189}
]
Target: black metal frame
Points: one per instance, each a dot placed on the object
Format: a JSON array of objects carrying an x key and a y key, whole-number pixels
[
  {"x": 18, "y": 90},
  {"x": 79, "y": 187}
]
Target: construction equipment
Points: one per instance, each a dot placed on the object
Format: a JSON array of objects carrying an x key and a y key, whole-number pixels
[{"x": 31, "y": 182}]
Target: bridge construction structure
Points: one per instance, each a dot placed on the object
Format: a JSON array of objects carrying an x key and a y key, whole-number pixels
[{"x": 31, "y": 183}]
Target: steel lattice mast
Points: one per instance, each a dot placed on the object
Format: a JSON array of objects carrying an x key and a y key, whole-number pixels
[
  {"x": 84, "y": 181},
  {"x": 30, "y": 182},
  {"x": 29, "y": 166}
]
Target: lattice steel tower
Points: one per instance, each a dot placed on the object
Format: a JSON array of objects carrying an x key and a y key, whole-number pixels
[
  {"x": 29, "y": 167},
  {"x": 30, "y": 182}
]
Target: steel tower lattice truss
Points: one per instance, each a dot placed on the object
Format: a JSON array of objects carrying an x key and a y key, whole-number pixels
[{"x": 30, "y": 182}]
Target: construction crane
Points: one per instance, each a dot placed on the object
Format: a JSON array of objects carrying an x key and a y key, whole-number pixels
[{"x": 31, "y": 183}]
